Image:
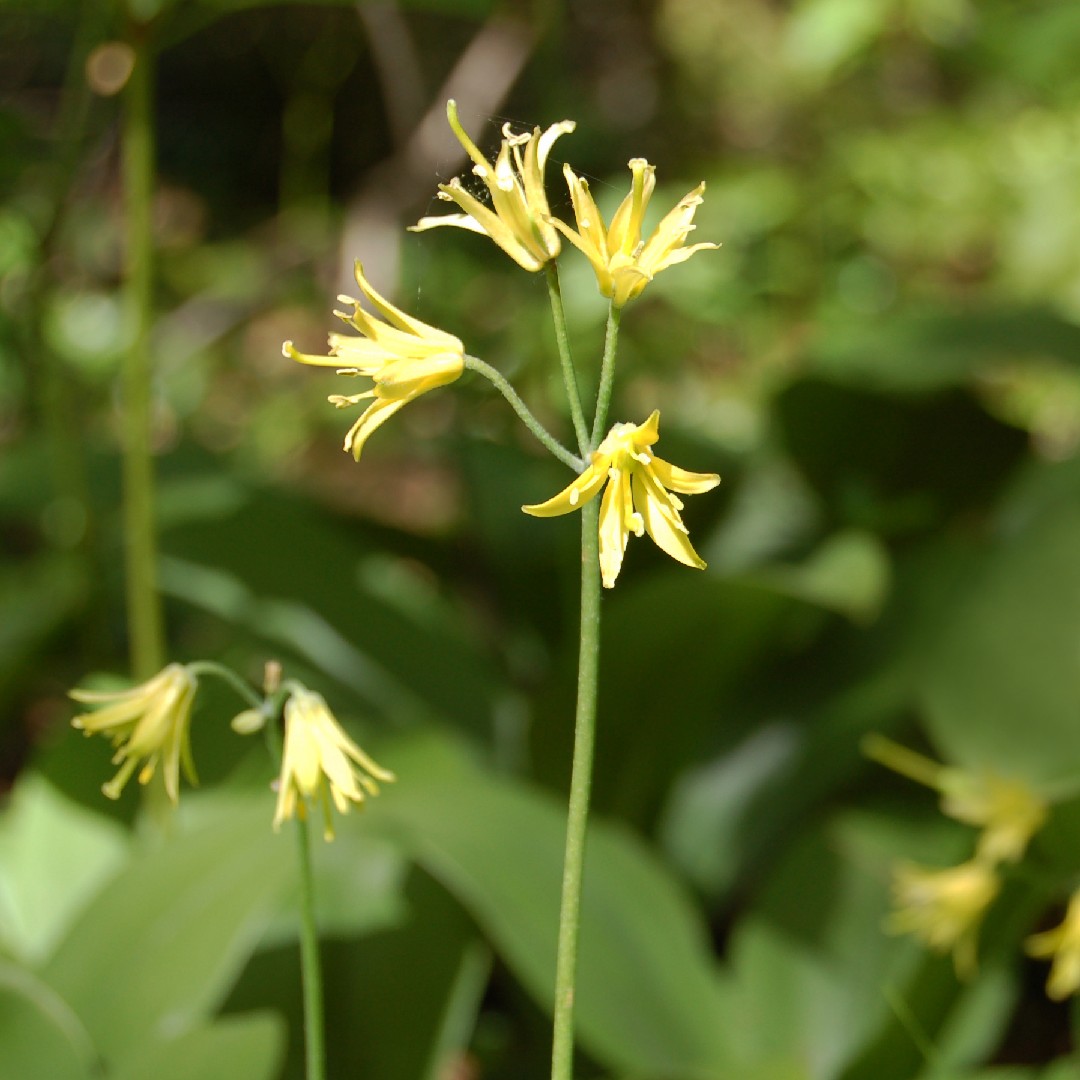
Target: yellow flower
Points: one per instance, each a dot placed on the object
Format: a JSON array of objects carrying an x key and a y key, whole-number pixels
[
  {"x": 148, "y": 723},
  {"x": 944, "y": 908},
  {"x": 1008, "y": 811},
  {"x": 403, "y": 356},
  {"x": 1062, "y": 945},
  {"x": 518, "y": 218},
  {"x": 638, "y": 498},
  {"x": 320, "y": 762},
  {"x": 623, "y": 262}
]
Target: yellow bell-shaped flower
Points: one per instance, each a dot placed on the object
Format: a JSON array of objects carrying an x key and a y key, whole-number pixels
[
  {"x": 320, "y": 763},
  {"x": 638, "y": 498},
  {"x": 403, "y": 357},
  {"x": 149, "y": 723}
]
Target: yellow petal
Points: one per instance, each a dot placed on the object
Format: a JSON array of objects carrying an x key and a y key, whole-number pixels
[
  {"x": 573, "y": 496},
  {"x": 662, "y": 520},
  {"x": 616, "y": 510},
  {"x": 682, "y": 481},
  {"x": 373, "y": 418}
]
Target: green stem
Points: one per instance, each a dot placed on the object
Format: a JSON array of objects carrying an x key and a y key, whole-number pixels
[
  {"x": 562, "y": 1051},
  {"x": 573, "y": 395},
  {"x": 143, "y": 601},
  {"x": 220, "y": 671},
  {"x": 607, "y": 374},
  {"x": 503, "y": 386},
  {"x": 310, "y": 964}
]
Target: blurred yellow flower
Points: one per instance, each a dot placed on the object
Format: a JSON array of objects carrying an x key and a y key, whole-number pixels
[
  {"x": 1062, "y": 946},
  {"x": 148, "y": 723},
  {"x": 403, "y": 356},
  {"x": 518, "y": 217},
  {"x": 319, "y": 762},
  {"x": 944, "y": 908},
  {"x": 1008, "y": 811},
  {"x": 638, "y": 498},
  {"x": 623, "y": 262}
]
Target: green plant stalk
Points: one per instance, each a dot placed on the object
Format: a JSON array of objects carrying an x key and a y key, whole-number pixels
[
  {"x": 310, "y": 962},
  {"x": 143, "y": 601},
  {"x": 501, "y": 384},
  {"x": 573, "y": 395},
  {"x": 607, "y": 375},
  {"x": 227, "y": 675},
  {"x": 562, "y": 1050}
]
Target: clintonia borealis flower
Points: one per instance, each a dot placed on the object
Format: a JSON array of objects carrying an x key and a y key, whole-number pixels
[
  {"x": 1007, "y": 810},
  {"x": 518, "y": 218},
  {"x": 1062, "y": 946},
  {"x": 623, "y": 262},
  {"x": 944, "y": 908},
  {"x": 638, "y": 498},
  {"x": 319, "y": 762},
  {"x": 148, "y": 723},
  {"x": 403, "y": 356}
]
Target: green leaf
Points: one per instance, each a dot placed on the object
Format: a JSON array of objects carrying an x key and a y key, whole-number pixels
[
  {"x": 247, "y": 1047},
  {"x": 849, "y": 573},
  {"x": 170, "y": 932},
  {"x": 1000, "y": 669},
  {"x": 55, "y": 855},
  {"x": 648, "y": 999},
  {"x": 40, "y": 1037}
]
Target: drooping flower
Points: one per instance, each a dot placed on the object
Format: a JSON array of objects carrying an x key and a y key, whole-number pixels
[
  {"x": 1062, "y": 946},
  {"x": 944, "y": 908},
  {"x": 624, "y": 263},
  {"x": 148, "y": 723},
  {"x": 1007, "y": 811},
  {"x": 638, "y": 498},
  {"x": 403, "y": 356},
  {"x": 320, "y": 763},
  {"x": 518, "y": 218}
]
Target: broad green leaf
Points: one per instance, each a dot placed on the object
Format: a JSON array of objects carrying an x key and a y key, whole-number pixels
[
  {"x": 849, "y": 573},
  {"x": 40, "y": 1037},
  {"x": 171, "y": 930},
  {"x": 808, "y": 967},
  {"x": 1000, "y": 672},
  {"x": 648, "y": 999},
  {"x": 236, "y": 1048},
  {"x": 54, "y": 855}
]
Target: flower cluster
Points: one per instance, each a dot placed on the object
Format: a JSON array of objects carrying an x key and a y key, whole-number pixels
[
  {"x": 151, "y": 723},
  {"x": 945, "y": 908},
  {"x": 405, "y": 358}
]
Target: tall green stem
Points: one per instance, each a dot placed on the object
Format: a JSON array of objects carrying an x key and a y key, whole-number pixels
[
  {"x": 607, "y": 374},
  {"x": 573, "y": 394},
  {"x": 562, "y": 1051},
  {"x": 143, "y": 601},
  {"x": 310, "y": 963}
]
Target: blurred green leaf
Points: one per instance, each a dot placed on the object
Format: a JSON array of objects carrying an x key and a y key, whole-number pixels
[
  {"x": 848, "y": 573},
  {"x": 648, "y": 998},
  {"x": 920, "y": 351},
  {"x": 55, "y": 855},
  {"x": 172, "y": 930},
  {"x": 1000, "y": 671},
  {"x": 249, "y": 1047},
  {"x": 40, "y": 1037}
]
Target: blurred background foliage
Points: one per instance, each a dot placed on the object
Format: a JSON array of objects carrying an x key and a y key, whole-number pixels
[{"x": 881, "y": 362}]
